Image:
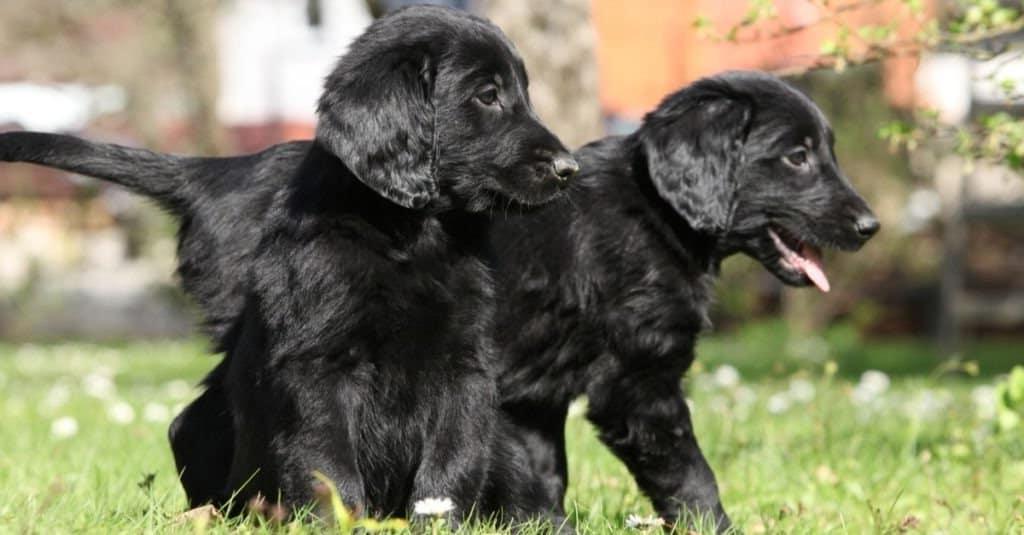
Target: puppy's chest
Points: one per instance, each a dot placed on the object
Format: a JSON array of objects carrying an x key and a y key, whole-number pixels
[
  {"x": 355, "y": 302},
  {"x": 646, "y": 296}
]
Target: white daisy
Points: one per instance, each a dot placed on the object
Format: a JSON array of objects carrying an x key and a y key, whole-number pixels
[
  {"x": 726, "y": 376},
  {"x": 57, "y": 396},
  {"x": 801, "y": 390},
  {"x": 433, "y": 506},
  {"x": 64, "y": 427},
  {"x": 644, "y": 522},
  {"x": 98, "y": 385},
  {"x": 120, "y": 412},
  {"x": 873, "y": 384},
  {"x": 178, "y": 389},
  {"x": 984, "y": 398},
  {"x": 778, "y": 403},
  {"x": 156, "y": 412},
  {"x": 927, "y": 404}
]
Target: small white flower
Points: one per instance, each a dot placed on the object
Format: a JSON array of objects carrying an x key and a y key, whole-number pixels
[
  {"x": 801, "y": 390},
  {"x": 178, "y": 389},
  {"x": 984, "y": 398},
  {"x": 432, "y": 506},
  {"x": 778, "y": 403},
  {"x": 875, "y": 380},
  {"x": 120, "y": 412},
  {"x": 927, "y": 404},
  {"x": 644, "y": 522},
  {"x": 64, "y": 427},
  {"x": 873, "y": 384},
  {"x": 98, "y": 385},
  {"x": 744, "y": 396},
  {"x": 726, "y": 376},
  {"x": 156, "y": 412},
  {"x": 56, "y": 396}
]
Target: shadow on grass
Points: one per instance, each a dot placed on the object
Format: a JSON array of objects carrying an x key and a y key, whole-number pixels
[{"x": 767, "y": 349}]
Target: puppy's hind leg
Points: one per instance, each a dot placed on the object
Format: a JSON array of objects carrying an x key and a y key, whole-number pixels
[{"x": 202, "y": 439}]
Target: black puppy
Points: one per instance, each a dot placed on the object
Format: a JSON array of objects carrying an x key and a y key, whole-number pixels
[
  {"x": 345, "y": 277},
  {"x": 606, "y": 296},
  {"x": 363, "y": 349}
]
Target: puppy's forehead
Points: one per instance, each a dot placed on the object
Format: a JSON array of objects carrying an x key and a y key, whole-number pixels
[
  {"x": 489, "y": 55},
  {"x": 788, "y": 117},
  {"x": 468, "y": 42}
]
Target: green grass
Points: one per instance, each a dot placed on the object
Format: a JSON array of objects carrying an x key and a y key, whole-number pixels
[{"x": 922, "y": 456}]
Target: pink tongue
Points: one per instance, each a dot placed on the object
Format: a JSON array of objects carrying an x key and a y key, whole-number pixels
[{"x": 810, "y": 263}]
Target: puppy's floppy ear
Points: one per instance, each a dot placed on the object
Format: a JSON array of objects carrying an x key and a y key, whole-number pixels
[
  {"x": 376, "y": 115},
  {"x": 692, "y": 143}
]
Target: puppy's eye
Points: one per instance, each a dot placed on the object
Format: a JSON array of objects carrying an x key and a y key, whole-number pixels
[
  {"x": 488, "y": 97},
  {"x": 797, "y": 159}
]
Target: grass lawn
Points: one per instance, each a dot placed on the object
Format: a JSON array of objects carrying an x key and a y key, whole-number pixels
[{"x": 801, "y": 441}]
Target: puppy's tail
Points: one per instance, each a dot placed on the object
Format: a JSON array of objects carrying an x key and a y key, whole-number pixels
[{"x": 158, "y": 176}]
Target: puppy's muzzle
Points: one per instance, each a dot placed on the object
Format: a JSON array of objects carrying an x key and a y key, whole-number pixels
[
  {"x": 564, "y": 167},
  {"x": 866, "y": 225}
]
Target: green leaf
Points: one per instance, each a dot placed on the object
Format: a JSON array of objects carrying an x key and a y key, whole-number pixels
[
  {"x": 341, "y": 513},
  {"x": 702, "y": 22},
  {"x": 1010, "y": 400}
]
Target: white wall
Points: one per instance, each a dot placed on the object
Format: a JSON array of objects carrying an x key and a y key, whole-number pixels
[{"x": 272, "y": 62}]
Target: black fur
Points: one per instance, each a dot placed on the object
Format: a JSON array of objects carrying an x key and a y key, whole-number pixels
[
  {"x": 345, "y": 277},
  {"x": 605, "y": 296}
]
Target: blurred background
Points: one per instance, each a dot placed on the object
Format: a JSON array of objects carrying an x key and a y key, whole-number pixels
[{"x": 943, "y": 282}]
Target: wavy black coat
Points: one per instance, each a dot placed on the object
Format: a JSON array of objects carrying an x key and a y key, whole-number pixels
[
  {"x": 605, "y": 295},
  {"x": 346, "y": 278}
]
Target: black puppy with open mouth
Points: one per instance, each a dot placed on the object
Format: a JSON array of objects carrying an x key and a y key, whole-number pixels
[
  {"x": 345, "y": 277},
  {"x": 606, "y": 294}
]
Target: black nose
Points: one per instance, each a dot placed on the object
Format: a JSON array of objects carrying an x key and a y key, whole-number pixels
[
  {"x": 867, "y": 225},
  {"x": 565, "y": 167}
]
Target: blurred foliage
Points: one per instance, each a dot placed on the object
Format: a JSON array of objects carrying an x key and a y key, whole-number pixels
[
  {"x": 1010, "y": 400},
  {"x": 766, "y": 349},
  {"x": 168, "y": 72},
  {"x": 978, "y": 29}
]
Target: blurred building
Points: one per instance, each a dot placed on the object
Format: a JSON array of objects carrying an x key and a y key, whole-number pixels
[
  {"x": 273, "y": 56},
  {"x": 74, "y": 248},
  {"x": 650, "y": 49}
]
